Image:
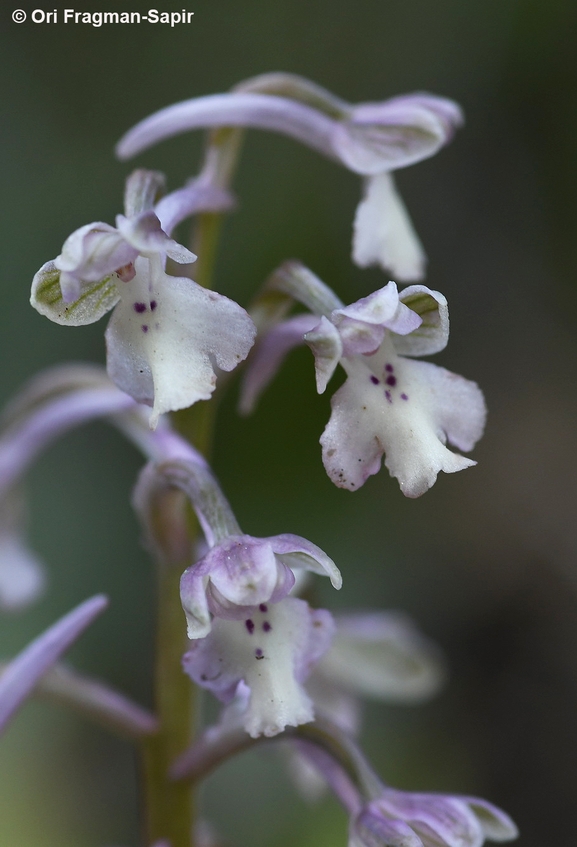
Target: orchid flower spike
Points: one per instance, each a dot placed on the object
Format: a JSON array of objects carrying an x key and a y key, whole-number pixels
[
  {"x": 166, "y": 333},
  {"x": 249, "y": 635},
  {"x": 370, "y": 139},
  {"x": 390, "y": 404},
  {"x": 398, "y": 818}
]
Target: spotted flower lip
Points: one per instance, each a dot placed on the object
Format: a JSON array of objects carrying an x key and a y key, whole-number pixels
[
  {"x": 167, "y": 334},
  {"x": 246, "y": 630},
  {"x": 398, "y": 818},
  {"x": 267, "y": 655}
]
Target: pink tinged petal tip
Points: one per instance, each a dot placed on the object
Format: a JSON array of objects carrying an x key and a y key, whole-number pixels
[
  {"x": 299, "y": 553},
  {"x": 34, "y": 661},
  {"x": 381, "y": 310}
]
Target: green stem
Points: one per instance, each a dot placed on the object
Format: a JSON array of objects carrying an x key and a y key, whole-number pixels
[
  {"x": 204, "y": 244},
  {"x": 171, "y": 806}
]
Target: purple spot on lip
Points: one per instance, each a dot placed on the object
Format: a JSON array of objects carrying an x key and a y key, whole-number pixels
[
  {"x": 250, "y": 626},
  {"x": 388, "y": 396},
  {"x": 389, "y": 369},
  {"x": 263, "y": 607},
  {"x": 404, "y": 397},
  {"x": 391, "y": 380},
  {"x": 153, "y": 305},
  {"x": 144, "y": 328},
  {"x": 258, "y": 653},
  {"x": 266, "y": 626},
  {"x": 140, "y": 308},
  {"x": 374, "y": 380}
]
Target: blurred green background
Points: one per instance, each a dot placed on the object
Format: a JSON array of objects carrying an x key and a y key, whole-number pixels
[{"x": 486, "y": 561}]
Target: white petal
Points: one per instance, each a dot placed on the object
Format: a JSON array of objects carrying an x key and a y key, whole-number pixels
[
  {"x": 164, "y": 354},
  {"x": 325, "y": 342},
  {"x": 432, "y": 334},
  {"x": 352, "y": 443},
  {"x": 386, "y": 136},
  {"x": 383, "y": 233},
  {"x": 382, "y": 654},
  {"x": 88, "y": 255},
  {"x": 456, "y": 404}
]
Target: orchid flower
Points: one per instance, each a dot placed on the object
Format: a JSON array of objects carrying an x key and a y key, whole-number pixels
[
  {"x": 389, "y": 403},
  {"x": 398, "y": 818},
  {"x": 167, "y": 333},
  {"x": 246, "y": 631},
  {"x": 370, "y": 139}
]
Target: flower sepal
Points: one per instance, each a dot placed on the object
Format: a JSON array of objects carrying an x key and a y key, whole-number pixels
[{"x": 94, "y": 299}]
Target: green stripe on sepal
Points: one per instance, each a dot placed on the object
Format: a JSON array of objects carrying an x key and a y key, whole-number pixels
[
  {"x": 96, "y": 299},
  {"x": 433, "y": 334}
]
